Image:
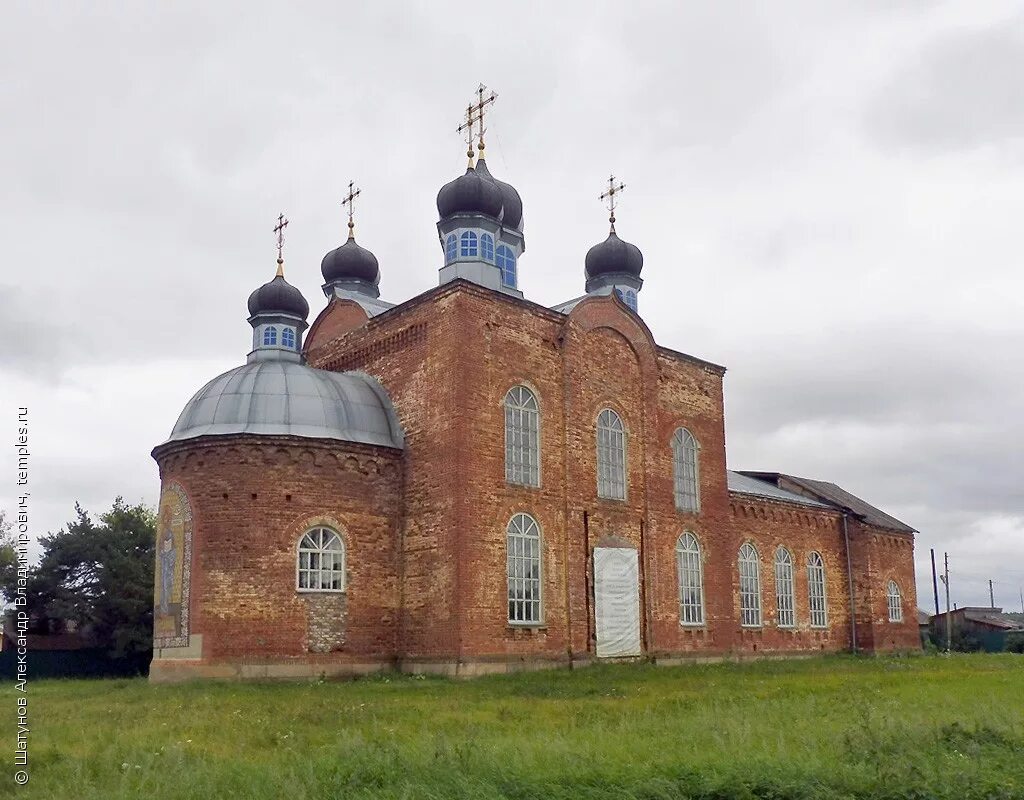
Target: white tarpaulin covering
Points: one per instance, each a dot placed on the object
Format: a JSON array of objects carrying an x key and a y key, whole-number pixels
[{"x": 617, "y": 601}]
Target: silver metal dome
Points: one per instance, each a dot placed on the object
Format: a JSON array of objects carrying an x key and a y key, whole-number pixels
[{"x": 283, "y": 398}]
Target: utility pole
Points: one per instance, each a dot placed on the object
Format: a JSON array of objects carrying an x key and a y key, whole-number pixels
[
  {"x": 935, "y": 584},
  {"x": 1022, "y": 600},
  {"x": 949, "y": 618},
  {"x": 991, "y": 596}
]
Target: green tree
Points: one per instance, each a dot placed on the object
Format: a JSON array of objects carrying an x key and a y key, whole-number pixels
[
  {"x": 100, "y": 574},
  {"x": 8, "y": 559}
]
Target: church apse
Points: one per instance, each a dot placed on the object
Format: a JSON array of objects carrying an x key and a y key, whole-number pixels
[{"x": 173, "y": 557}]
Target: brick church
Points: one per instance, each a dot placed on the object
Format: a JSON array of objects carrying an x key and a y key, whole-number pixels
[{"x": 469, "y": 481}]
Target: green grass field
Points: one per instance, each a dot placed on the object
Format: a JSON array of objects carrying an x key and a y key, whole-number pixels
[{"x": 837, "y": 727}]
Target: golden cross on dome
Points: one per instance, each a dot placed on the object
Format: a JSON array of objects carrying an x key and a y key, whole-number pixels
[
  {"x": 350, "y": 201},
  {"x": 609, "y": 195},
  {"x": 475, "y": 116},
  {"x": 282, "y": 223}
]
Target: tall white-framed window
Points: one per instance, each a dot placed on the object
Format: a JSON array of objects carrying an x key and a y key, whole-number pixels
[
  {"x": 894, "y": 600},
  {"x": 288, "y": 337},
  {"x": 816, "y": 599},
  {"x": 522, "y": 437},
  {"x": 506, "y": 261},
  {"x": 269, "y": 336},
  {"x": 691, "y": 580},
  {"x": 611, "y": 456},
  {"x": 522, "y": 538},
  {"x": 487, "y": 247},
  {"x": 320, "y": 566},
  {"x": 785, "y": 591},
  {"x": 451, "y": 248},
  {"x": 750, "y": 587},
  {"x": 686, "y": 467},
  {"x": 468, "y": 245}
]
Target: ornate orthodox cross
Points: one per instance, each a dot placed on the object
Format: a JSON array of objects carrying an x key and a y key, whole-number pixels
[
  {"x": 609, "y": 195},
  {"x": 350, "y": 201},
  {"x": 475, "y": 116},
  {"x": 282, "y": 223}
]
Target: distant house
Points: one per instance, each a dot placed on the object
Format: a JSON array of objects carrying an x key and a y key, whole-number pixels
[{"x": 989, "y": 626}]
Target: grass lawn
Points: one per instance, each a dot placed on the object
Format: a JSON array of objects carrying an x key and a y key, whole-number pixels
[{"x": 835, "y": 727}]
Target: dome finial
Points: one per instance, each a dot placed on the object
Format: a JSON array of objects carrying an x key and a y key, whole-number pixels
[
  {"x": 282, "y": 223},
  {"x": 475, "y": 116},
  {"x": 609, "y": 195},
  {"x": 350, "y": 200}
]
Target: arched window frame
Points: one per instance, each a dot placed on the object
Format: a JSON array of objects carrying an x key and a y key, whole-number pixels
[
  {"x": 320, "y": 561},
  {"x": 894, "y": 601},
  {"x": 288, "y": 338},
  {"x": 269, "y": 336},
  {"x": 686, "y": 470},
  {"x": 785, "y": 589},
  {"x": 487, "y": 247},
  {"x": 468, "y": 245},
  {"x": 611, "y": 455},
  {"x": 522, "y": 436},
  {"x": 690, "y": 574},
  {"x": 817, "y": 595},
  {"x": 505, "y": 258},
  {"x": 523, "y": 544},
  {"x": 749, "y": 568},
  {"x": 451, "y": 248}
]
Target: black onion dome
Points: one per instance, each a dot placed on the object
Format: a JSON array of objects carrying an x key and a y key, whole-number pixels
[
  {"x": 278, "y": 296},
  {"x": 511, "y": 202},
  {"x": 614, "y": 255},
  {"x": 350, "y": 262},
  {"x": 471, "y": 193}
]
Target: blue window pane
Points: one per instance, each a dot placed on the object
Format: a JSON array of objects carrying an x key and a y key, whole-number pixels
[
  {"x": 288, "y": 337},
  {"x": 469, "y": 248},
  {"x": 627, "y": 296},
  {"x": 486, "y": 247},
  {"x": 269, "y": 335},
  {"x": 451, "y": 248},
  {"x": 506, "y": 261}
]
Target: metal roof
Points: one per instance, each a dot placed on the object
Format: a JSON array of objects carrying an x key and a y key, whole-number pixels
[
  {"x": 837, "y": 496},
  {"x": 284, "y": 398},
  {"x": 744, "y": 484}
]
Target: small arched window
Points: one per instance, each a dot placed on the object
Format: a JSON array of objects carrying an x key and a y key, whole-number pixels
[
  {"x": 816, "y": 591},
  {"x": 895, "y": 602},
  {"x": 750, "y": 587},
  {"x": 785, "y": 596},
  {"x": 522, "y": 437},
  {"x": 321, "y": 562},
  {"x": 611, "y": 456},
  {"x": 469, "y": 245},
  {"x": 288, "y": 338},
  {"x": 487, "y": 247},
  {"x": 269, "y": 336},
  {"x": 685, "y": 463},
  {"x": 691, "y": 580},
  {"x": 506, "y": 261},
  {"x": 627, "y": 296},
  {"x": 522, "y": 537},
  {"x": 451, "y": 248}
]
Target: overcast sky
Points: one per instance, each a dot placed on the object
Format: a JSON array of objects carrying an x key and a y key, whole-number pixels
[{"x": 827, "y": 195}]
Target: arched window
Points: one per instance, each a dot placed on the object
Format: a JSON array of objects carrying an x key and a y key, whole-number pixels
[
  {"x": 785, "y": 596},
  {"x": 269, "y": 336},
  {"x": 288, "y": 337},
  {"x": 691, "y": 580},
  {"x": 684, "y": 458},
  {"x": 522, "y": 437},
  {"x": 506, "y": 261},
  {"x": 895, "y": 601},
  {"x": 628, "y": 296},
  {"x": 750, "y": 587},
  {"x": 486, "y": 247},
  {"x": 451, "y": 248},
  {"x": 321, "y": 564},
  {"x": 816, "y": 591},
  {"x": 469, "y": 248},
  {"x": 522, "y": 537},
  {"x": 611, "y": 456}
]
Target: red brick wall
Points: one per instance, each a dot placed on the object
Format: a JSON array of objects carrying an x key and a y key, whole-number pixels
[{"x": 252, "y": 498}]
